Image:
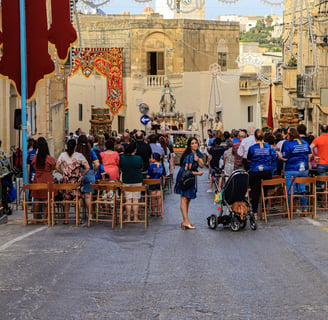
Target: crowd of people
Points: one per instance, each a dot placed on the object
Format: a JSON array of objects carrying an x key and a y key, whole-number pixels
[
  {"x": 290, "y": 152},
  {"x": 134, "y": 156},
  {"x": 87, "y": 159}
]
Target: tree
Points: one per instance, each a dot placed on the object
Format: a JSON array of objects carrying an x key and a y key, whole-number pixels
[{"x": 268, "y": 21}]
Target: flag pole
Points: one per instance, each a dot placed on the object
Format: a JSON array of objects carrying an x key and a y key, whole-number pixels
[{"x": 23, "y": 84}]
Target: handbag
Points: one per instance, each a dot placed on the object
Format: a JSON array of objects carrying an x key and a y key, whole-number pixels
[{"x": 187, "y": 181}]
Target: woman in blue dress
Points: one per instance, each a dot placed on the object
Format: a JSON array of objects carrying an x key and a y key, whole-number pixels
[{"x": 190, "y": 160}]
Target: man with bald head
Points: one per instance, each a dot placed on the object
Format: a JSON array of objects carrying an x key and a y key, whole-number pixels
[{"x": 321, "y": 143}]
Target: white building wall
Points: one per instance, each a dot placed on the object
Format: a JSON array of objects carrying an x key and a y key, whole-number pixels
[
  {"x": 87, "y": 91},
  {"x": 192, "y": 99}
]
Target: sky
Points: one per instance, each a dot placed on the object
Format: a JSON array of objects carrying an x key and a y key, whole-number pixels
[{"x": 213, "y": 8}]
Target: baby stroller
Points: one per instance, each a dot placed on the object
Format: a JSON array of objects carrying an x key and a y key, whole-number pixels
[{"x": 233, "y": 196}]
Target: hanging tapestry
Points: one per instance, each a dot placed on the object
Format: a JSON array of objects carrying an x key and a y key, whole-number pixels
[
  {"x": 109, "y": 63},
  {"x": 38, "y": 60}
]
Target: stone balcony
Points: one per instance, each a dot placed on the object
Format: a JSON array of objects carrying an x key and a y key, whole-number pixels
[{"x": 147, "y": 82}]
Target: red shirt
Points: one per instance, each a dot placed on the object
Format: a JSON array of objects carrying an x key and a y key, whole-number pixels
[{"x": 322, "y": 144}]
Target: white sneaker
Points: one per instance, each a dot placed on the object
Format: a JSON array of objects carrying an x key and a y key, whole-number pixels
[{"x": 209, "y": 190}]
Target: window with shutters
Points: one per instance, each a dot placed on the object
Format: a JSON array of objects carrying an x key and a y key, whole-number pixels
[
  {"x": 80, "y": 112},
  {"x": 155, "y": 63},
  {"x": 31, "y": 117},
  {"x": 250, "y": 113},
  {"x": 120, "y": 122},
  {"x": 222, "y": 60}
]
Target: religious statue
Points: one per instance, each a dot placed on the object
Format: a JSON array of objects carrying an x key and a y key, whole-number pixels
[{"x": 168, "y": 100}]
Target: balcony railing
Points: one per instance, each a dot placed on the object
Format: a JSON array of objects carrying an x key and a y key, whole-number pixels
[{"x": 145, "y": 82}]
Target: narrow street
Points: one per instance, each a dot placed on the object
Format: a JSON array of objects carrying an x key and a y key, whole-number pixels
[{"x": 279, "y": 271}]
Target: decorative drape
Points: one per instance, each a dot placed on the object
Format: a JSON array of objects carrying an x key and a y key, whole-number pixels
[
  {"x": 109, "y": 63},
  {"x": 38, "y": 60}
]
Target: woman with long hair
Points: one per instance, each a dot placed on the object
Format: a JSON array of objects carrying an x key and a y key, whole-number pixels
[
  {"x": 84, "y": 148},
  {"x": 73, "y": 166},
  {"x": 260, "y": 157},
  {"x": 99, "y": 145},
  {"x": 43, "y": 164},
  {"x": 191, "y": 159},
  {"x": 296, "y": 155}
]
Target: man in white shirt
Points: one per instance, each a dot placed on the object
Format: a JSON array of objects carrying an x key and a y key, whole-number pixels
[{"x": 243, "y": 149}]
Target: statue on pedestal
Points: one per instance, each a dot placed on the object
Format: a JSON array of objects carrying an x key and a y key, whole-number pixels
[{"x": 168, "y": 100}]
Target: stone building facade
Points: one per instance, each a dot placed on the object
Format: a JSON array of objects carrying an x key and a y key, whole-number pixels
[
  {"x": 156, "y": 50},
  {"x": 305, "y": 76}
]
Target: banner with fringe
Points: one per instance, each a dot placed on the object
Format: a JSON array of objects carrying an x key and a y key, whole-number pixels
[
  {"x": 108, "y": 62},
  {"x": 38, "y": 60}
]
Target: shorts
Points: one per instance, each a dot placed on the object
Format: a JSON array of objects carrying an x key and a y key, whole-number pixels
[{"x": 132, "y": 195}]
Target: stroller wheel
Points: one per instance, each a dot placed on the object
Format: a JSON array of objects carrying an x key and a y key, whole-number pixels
[
  {"x": 235, "y": 224},
  {"x": 253, "y": 224},
  {"x": 212, "y": 221},
  {"x": 243, "y": 224}
]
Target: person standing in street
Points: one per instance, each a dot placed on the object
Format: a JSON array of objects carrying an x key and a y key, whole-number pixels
[
  {"x": 191, "y": 159},
  {"x": 259, "y": 155},
  {"x": 321, "y": 143},
  {"x": 243, "y": 150}
]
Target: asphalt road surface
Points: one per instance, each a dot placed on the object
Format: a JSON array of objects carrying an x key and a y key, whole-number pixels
[{"x": 279, "y": 271}]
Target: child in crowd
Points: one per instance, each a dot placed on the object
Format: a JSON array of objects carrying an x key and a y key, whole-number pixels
[
  {"x": 229, "y": 159},
  {"x": 155, "y": 171},
  {"x": 172, "y": 160}
]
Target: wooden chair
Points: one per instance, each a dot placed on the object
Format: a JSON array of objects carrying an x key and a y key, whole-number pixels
[
  {"x": 274, "y": 202},
  {"x": 36, "y": 210},
  {"x": 309, "y": 195},
  {"x": 142, "y": 205},
  {"x": 322, "y": 192},
  {"x": 103, "y": 203},
  {"x": 152, "y": 199},
  {"x": 61, "y": 208},
  {"x": 118, "y": 185}
]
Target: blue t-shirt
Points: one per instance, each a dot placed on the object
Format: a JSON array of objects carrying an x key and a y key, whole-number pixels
[
  {"x": 260, "y": 157},
  {"x": 274, "y": 159},
  {"x": 297, "y": 155},
  {"x": 93, "y": 158},
  {"x": 30, "y": 156},
  {"x": 154, "y": 171}
]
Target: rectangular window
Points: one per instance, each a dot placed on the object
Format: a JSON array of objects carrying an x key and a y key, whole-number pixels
[
  {"x": 222, "y": 60},
  {"x": 250, "y": 113},
  {"x": 155, "y": 63},
  {"x": 80, "y": 112},
  {"x": 31, "y": 117},
  {"x": 120, "y": 121}
]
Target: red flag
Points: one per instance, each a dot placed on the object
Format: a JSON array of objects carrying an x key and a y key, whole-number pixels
[
  {"x": 62, "y": 33},
  {"x": 38, "y": 60},
  {"x": 270, "y": 116}
]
